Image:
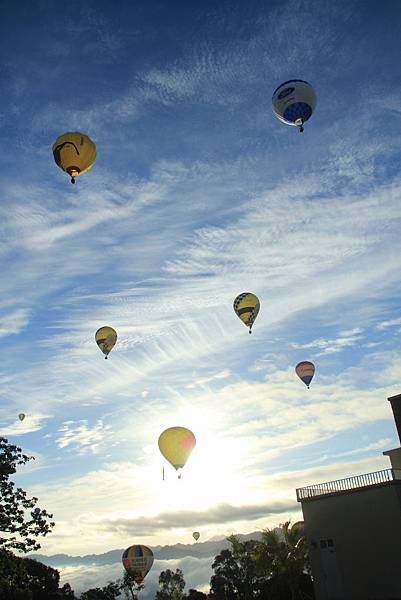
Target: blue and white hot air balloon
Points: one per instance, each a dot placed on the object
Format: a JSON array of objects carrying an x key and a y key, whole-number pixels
[{"x": 294, "y": 102}]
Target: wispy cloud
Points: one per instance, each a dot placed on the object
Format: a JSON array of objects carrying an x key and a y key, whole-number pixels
[
  {"x": 221, "y": 375},
  {"x": 14, "y": 322},
  {"x": 390, "y": 323},
  {"x": 78, "y": 435},
  {"x": 379, "y": 445},
  {"x": 345, "y": 340}
]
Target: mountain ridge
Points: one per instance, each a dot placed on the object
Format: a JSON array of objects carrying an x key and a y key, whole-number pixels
[{"x": 176, "y": 551}]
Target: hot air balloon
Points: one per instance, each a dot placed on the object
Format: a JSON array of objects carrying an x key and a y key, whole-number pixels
[
  {"x": 74, "y": 153},
  {"x": 137, "y": 561},
  {"x": 21, "y": 416},
  {"x": 176, "y": 444},
  {"x": 196, "y": 535},
  {"x": 106, "y": 338},
  {"x": 305, "y": 371},
  {"x": 246, "y": 307},
  {"x": 294, "y": 102},
  {"x": 299, "y": 526}
]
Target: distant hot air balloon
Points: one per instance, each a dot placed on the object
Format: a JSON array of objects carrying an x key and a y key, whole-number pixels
[
  {"x": 21, "y": 416},
  {"x": 299, "y": 526},
  {"x": 305, "y": 371},
  {"x": 294, "y": 102},
  {"x": 138, "y": 561},
  {"x": 246, "y": 307},
  {"x": 74, "y": 153},
  {"x": 196, "y": 535},
  {"x": 106, "y": 338},
  {"x": 176, "y": 444}
]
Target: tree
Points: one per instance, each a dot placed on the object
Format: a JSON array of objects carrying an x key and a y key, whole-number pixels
[
  {"x": 130, "y": 587},
  {"x": 18, "y": 518},
  {"x": 235, "y": 576},
  {"x": 66, "y": 592},
  {"x": 282, "y": 557},
  {"x": 108, "y": 592},
  {"x": 43, "y": 581},
  {"x": 171, "y": 585},
  {"x": 195, "y": 595},
  {"x": 28, "y": 579},
  {"x": 12, "y": 576}
]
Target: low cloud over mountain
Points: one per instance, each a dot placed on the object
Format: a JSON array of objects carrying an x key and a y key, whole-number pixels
[{"x": 195, "y": 560}]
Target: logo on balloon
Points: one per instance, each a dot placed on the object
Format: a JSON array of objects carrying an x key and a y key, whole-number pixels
[{"x": 285, "y": 93}]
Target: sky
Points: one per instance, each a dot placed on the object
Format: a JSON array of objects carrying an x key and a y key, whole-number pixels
[{"x": 198, "y": 194}]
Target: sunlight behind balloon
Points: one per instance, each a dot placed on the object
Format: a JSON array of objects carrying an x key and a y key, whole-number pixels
[{"x": 212, "y": 474}]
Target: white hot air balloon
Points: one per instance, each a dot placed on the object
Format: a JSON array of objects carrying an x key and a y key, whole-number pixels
[{"x": 294, "y": 101}]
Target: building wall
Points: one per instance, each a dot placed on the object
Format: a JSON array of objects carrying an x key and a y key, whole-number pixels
[
  {"x": 355, "y": 543},
  {"x": 395, "y": 458}
]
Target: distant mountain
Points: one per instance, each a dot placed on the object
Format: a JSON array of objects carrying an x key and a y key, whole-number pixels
[{"x": 199, "y": 550}]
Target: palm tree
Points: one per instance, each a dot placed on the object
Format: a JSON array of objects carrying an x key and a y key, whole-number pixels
[{"x": 282, "y": 557}]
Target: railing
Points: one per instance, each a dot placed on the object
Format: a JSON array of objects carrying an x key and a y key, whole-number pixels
[{"x": 350, "y": 483}]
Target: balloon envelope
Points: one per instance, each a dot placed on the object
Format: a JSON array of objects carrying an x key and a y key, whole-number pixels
[
  {"x": 176, "y": 444},
  {"x": 294, "y": 102},
  {"x": 246, "y": 307},
  {"x": 74, "y": 153},
  {"x": 21, "y": 416},
  {"x": 106, "y": 338},
  {"x": 299, "y": 526},
  {"x": 137, "y": 561},
  {"x": 196, "y": 535},
  {"x": 305, "y": 371}
]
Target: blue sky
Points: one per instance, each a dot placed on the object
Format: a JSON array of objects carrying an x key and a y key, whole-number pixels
[{"x": 198, "y": 193}]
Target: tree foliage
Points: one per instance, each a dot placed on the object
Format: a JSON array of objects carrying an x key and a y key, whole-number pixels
[
  {"x": 28, "y": 579},
  {"x": 108, "y": 592},
  {"x": 195, "y": 595},
  {"x": 282, "y": 558},
  {"x": 12, "y": 577},
  {"x": 171, "y": 585},
  {"x": 235, "y": 576},
  {"x": 130, "y": 587},
  {"x": 275, "y": 568},
  {"x": 20, "y": 522}
]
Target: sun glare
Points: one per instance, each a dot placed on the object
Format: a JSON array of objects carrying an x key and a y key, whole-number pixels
[{"x": 212, "y": 474}]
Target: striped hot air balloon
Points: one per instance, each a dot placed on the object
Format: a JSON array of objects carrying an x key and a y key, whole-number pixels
[
  {"x": 137, "y": 561},
  {"x": 246, "y": 307},
  {"x": 305, "y": 371}
]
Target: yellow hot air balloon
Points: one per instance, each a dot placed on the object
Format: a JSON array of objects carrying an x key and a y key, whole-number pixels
[
  {"x": 21, "y": 416},
  {"x": 305, "y": 371},
  {"x": 106, "y": 338},
  {"x": 75, "y": 153},
  {"x": 246, "y": 307},
  {"x": 176, "y": 444},
  {"x": 196, "y": 535},
  {"x": 137, "y": 561}
]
